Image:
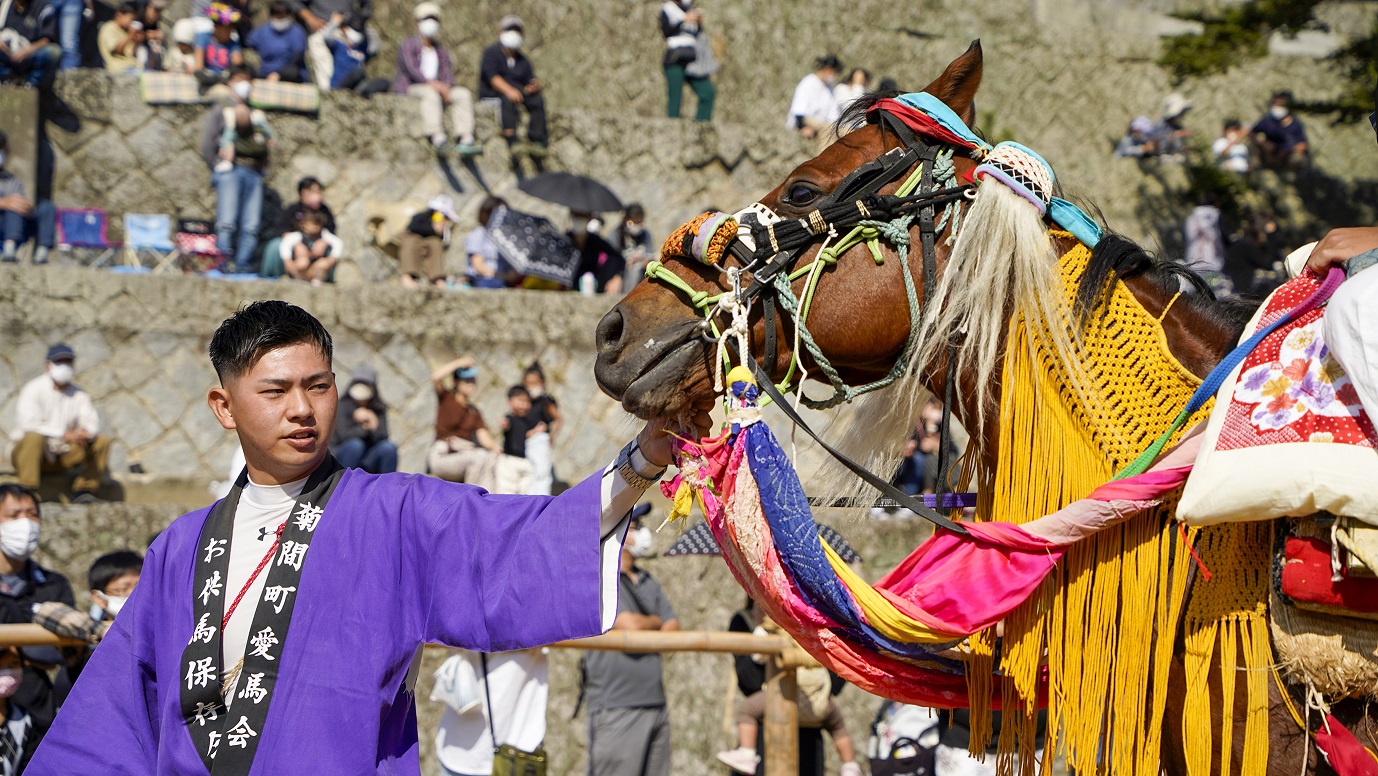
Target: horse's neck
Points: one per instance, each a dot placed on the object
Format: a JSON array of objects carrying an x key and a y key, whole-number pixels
[{"x": 1196, "y": 339}]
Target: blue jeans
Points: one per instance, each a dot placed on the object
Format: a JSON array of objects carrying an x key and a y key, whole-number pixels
[
  {"x": 37, "y": 70},
  {"x": 381, "y": 458},
  {"x": 69, "y": 13},
  {"x": 238, "y": 209},
  {"x": 40, "y": 224}
]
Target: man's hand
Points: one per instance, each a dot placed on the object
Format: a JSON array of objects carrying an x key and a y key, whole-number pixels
[
  {"x": 77, "y": 436},
  {"x": 366, "y": 418},
  {"x": 17, "y": 203},
  {"x": 807, "y": 132},
  {"x": 533, "y": 87},
  {"x": 1340, "y": 245},
  {"x": 441, "y": 88},
  {"x": 655, "y": 440}
]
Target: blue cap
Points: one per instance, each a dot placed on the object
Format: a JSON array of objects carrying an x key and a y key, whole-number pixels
[
  {"x": 466, "y": 373},
  {"x": 61, "y": 351}
]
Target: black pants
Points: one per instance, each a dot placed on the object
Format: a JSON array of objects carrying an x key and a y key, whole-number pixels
[{"x": 535, "y": 117}]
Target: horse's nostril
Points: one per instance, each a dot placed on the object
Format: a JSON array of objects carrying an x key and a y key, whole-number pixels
[{"x": 610, "y": 330}]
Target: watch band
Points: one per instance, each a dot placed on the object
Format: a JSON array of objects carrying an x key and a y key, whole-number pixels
[{"x": 637, "y": 476}]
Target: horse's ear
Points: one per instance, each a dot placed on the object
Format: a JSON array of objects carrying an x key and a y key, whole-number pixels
[{"x": 957, "y": 86}]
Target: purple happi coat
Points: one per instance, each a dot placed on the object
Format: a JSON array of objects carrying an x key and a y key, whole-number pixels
[{"x": 397, "y": 561}]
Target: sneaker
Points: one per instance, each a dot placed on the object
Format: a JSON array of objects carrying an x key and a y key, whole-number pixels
[
  {"x": 741, "y": 760},
  {"x": 850, "y": 769},
  {"x": 468, "y": 149}
]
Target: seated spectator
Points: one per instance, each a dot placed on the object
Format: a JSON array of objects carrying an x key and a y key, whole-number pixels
[
  {"x": 464, "y": 450},
  {"x": 361, "y": 426},
  {"x": 121, "y": 41},
  {"x": 1280, "y": 135},
  {"x": 1206, "y": 244},
  {"x": 21, "y": 219},
  {"x": 218, "y": 51},
  {"x": 422, "y": 253},
  {"x": 70, "y": 20},
  {"x": 200, "y": 11},
  {"x": 505, "y": 74},
  {"x": 56, "y": 428},
  {"x": 318, "y": 16},
  {"x": 310, "y": 199},
  {"x": 236, "y": 143},
  {"x": 1137, "y": 142},
  {"x": 1170, "y": 134},
  {"x": 486, "y": 266},
  {"x": 352, "y": 49},
  {"x": 426, "y": 72},
  {"x": 28, "y": 43},
  {"x": 682, "y": 27},
  {"x": 181, "y": 55},
  {"x": 155, "y": 34},
  {"x": 813, "y": 110},
  {"x": 311, "y": 253},
  {"x": 634, "y": 241},
  {"x": 112, "y": 580},
  {"x": 281, "y": 45},
  {"x": 598, "y": 258},
  {"x": 519, "y": 425},
  {"x": 23, "y": 585},
  {"x": 852, "y": 89},
  {"x": 1231, "y": 149}
]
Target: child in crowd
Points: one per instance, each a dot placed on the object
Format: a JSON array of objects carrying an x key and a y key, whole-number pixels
[
  {"x": 113, "y": 577},
  {"x": 311, "y": 253},
  {"x": 219, "y": 50},
  {"x": 545, "y": 408},
  {"x": 181, "y": 58},
  {"x": 350, "y": 49},
  {"x": 519, "y": 425}
]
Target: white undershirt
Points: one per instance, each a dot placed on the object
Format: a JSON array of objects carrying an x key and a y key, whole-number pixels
[
  {"x": 430, "y": 63},
  {"x": 262, "y": 508}
]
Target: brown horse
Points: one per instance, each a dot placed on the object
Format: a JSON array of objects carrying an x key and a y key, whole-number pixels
[{"x": 653, "y": 358}]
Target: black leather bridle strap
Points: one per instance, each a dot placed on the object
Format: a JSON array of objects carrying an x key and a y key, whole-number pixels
[{"x": 900, "y": 497}]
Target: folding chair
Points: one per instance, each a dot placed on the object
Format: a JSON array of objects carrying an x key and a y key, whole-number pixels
[
  {"x": 82, "y": 231},
  {"x": 196, "y": 249},
  {"x": 148, "y": 234}
]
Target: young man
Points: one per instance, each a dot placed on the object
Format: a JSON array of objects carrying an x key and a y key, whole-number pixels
[
  {"x": 57, "y": 429},
  {"x": 250, "y": 644},
  {"x": 505, "y": 73},
  {"x": 1280, "y": 135},
  {"x": 30, "y": 50},
  {"x": 813, "y": 109},
  {"x": 113, "y": 577}
]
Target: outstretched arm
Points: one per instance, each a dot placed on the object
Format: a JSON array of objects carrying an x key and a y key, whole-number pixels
[{"x": 1341, "y": 245}]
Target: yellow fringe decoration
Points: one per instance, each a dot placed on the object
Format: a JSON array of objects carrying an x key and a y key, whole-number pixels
[
  {"x": 1227, "y": 625},
  {"x": 1105, "y": 620}
]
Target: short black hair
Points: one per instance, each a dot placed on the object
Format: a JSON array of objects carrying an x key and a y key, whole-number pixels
[
  {"x": 308, "y": 181},
  {"x": 828, "y": 62},
  {"x": 279, "y": 8},
  {"x": 111, "y": 566},
  {"x": 1232, "y": 124},
  {"x": 129, "y": 8},
  {"x": 486, "y": 208},
  {"x": 260, "y": 328},
  {"x": 1285, "y": 95},
  {"x": 236, "y": 70},
  {"x": 535, "y": 369},
  {"x": 314, "y": 216},
  {"x": 518, "y": 390},
  {"x": 635, "y": 210},
  {"x": 17, "y": 491}
]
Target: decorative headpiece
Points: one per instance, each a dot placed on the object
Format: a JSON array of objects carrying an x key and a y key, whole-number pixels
[{"x": 1024, "y": 171}]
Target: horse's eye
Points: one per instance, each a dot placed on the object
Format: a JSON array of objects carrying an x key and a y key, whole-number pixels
[{"x": 801, "y": 194}]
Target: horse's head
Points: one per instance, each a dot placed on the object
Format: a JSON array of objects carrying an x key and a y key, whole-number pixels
[{"x": 655, "y": 354}]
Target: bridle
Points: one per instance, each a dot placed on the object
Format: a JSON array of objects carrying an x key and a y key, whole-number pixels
[{"x": 768, "y": 248}]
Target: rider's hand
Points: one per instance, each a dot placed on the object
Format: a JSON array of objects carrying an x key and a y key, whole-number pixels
[{"x": 1340, "y": 245}]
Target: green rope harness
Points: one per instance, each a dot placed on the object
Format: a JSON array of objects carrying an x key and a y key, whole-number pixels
[{"x": 895, "y": 232}]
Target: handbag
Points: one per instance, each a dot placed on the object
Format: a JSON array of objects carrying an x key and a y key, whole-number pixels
[
  {"x": 923, "y": 761},
  {"x": 508, "y": 760},
  {"x": 705, "y": 61}
]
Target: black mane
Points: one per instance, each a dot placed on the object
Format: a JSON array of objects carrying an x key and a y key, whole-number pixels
[{"x": 1118, "y": 258}]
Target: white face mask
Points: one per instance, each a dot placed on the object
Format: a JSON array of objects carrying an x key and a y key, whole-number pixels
[
  {"x": 634, "y": 229},
  {"x": 241, "y": 89},
  {"x": 281, "y": 25},
  {"x": 639, "y": 542},
  {"x": 536, "y": 391},
  {"x": 19, "y": 537},
  {"x": 1278, "y": 112},
  {"x": 353, "y": 36},
  {"x": 511, "y": 40},
  {"x": 594, "y": 226},
  {"x": 429, "y": 28},
  {"x": 62, "y": 374},
  {"x": 361, "y": 392},
  {"x": 9, "y": 681},
  {"x": 114, "y": 603}
]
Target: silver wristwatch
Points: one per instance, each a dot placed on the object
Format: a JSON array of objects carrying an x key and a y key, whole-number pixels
[{"x": 637, "y": 476}]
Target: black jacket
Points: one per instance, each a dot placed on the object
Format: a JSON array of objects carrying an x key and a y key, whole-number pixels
[{"x": 35, "y": 691}]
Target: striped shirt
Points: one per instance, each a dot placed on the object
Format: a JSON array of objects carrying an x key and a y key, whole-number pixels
[{"x": 10, "y": 184}]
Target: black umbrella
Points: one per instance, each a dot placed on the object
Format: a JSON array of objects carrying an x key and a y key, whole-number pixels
[
  {"x": 699, "y": 541},
  {"x": 533, "y": 245},
  {"x": 575, "y": 192}
]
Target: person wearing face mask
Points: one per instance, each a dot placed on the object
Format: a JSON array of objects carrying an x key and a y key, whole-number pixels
[
  {"x": 236, "y": 143},
  {"x": 629, "y": 724},
  {"x": 322, "y": 18},
  {"x": 219, "y": 50},
  {"x": 598, "y": 258},
  {"x": 361, "y": 426},
  {"x": 632, "y": 238},
  {"x": 19, "y": 735},
  {"x": 121, "y": 39},
  {"x": 464, "y": 449},
  {"x": 1280, "y": 135},
  {"x": 352, "y": 49},
  {"x": 682, "y": 27},
  {"x": 426, "y": 71},
  {"x": 113, "y": 577},
  {"x": 281, "y": 45},
  {"x": 24, "y": 584},
  {"x": 56, "y": 428},
  {"x": 813, "y": 110},
  {"x": 506, "y": 74}
]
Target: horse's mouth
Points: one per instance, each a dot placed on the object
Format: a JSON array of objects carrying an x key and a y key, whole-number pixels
[{"x": 664, "y": 384}]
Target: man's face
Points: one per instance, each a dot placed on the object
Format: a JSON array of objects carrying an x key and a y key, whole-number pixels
[
  {"x": 123, "y": 19},
  {"x": 312, "y": 197},
  {"x": 18, "y": 508},
  {"x": 61, "y": 370},
  {"x": 283, "y": 409}
]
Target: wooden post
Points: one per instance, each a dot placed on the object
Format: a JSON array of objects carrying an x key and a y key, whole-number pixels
[{"x": 782, "y": 722}]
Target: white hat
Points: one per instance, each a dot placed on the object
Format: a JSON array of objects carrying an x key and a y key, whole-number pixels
[
  {"x": 184, "y": 31},
  {"x": 1175, "y": 105},
  {"x": 444, "y": 206},
  {"x": 427, "y": 10}
]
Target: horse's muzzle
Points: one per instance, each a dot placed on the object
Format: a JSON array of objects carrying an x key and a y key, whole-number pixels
[{"x": 651, "y": 367}]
